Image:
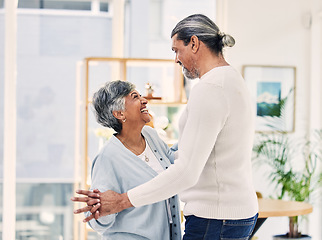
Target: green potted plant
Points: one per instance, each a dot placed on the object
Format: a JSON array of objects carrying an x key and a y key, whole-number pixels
[{"x": 279, "y": 151}]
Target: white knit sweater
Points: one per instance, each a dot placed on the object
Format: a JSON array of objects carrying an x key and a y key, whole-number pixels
[{"x": 213, "y": 174}]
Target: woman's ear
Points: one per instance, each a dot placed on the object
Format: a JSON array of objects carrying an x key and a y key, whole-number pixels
[{"x": 119, "y": 115}]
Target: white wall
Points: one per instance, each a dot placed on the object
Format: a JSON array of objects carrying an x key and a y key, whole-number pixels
[{"x": 278, "y": 32}]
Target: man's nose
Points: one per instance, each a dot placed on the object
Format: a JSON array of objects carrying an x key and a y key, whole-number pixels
[{"x": 178, "y": 61}]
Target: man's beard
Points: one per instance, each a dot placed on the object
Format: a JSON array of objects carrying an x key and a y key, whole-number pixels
[{"x": 190, "y": 75}]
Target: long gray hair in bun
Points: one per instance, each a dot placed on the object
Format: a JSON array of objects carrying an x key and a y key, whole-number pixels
[
  {"x": 206, "y": 30},
  {"x": 227, "y": 40}
]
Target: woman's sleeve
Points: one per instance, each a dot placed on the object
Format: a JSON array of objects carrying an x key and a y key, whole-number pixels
[
  {"x": 169, "y": 152},
  {"x": 174, "y": 150},
  {"x": 103, "y": 179}
]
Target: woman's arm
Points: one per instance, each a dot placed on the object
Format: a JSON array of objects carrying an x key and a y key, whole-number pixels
[{"x": 103, "y": 179}]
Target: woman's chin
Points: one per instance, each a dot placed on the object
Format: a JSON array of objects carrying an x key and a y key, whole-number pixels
[{"x": 147, "y": 119}]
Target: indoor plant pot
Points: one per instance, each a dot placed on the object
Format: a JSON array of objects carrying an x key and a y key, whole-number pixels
[
  {"x": 278, "y": 150},
  {"x": 285, "y": 236}
]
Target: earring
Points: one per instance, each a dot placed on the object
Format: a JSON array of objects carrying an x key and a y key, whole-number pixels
[{"x": 124, "y": 120}]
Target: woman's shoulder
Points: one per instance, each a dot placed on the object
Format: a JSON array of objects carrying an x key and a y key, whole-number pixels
[{"x": 108, "y": 151}]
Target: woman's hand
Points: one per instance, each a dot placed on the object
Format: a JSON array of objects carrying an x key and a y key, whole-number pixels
[{"x": 92, "y": 200}]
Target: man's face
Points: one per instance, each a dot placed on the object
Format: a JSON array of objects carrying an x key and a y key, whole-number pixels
[{"x": 184, "y": 58}]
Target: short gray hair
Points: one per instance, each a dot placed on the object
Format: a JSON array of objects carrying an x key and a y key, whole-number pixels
[
  {"x": 206, "y": 31},
  {"x": 110, "y": 98}
]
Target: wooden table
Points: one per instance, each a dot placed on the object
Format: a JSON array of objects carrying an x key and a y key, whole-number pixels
[{"x": 279, "y": 208}]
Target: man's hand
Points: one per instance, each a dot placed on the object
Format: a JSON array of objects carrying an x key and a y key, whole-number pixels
[
  {"x": 113, "y": 202},
  {"x": 101, "y": 204}
]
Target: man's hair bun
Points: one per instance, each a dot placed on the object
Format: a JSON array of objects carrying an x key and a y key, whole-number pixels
[{"x": 227, "y": 40}]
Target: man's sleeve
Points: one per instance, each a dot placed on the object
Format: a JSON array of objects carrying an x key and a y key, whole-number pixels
[{"x": 207, "y": 113}]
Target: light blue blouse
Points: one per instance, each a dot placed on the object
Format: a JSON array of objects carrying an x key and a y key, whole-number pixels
[{"x": 118, "y": 169}]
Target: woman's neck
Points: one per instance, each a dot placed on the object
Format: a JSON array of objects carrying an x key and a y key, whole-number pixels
[
  {"x": 131, "y": 137},
  {"x": 132, "y": 140}
]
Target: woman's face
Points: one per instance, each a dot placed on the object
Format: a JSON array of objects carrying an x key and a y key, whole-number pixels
[{"x": 136, "y": 111}]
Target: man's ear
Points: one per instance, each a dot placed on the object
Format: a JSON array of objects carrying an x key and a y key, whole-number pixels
[
  {"x": 195, "y": 43},
  {"x": 118, "y": 115}
]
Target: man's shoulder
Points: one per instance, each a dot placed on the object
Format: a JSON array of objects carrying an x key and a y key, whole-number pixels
[{"x": 219, "y": 77}]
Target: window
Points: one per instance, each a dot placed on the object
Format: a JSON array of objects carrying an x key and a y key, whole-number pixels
[
  {"x": 55, "y": 4},
  {"x": 104, "y": 6},
  {"x": 44, "y": 211},
  {"x": 155, "y": 19},
  {"x": 49, "y": 46},
  {"x": 80, "y": 5},
  {"x": 1, "y": 104}
]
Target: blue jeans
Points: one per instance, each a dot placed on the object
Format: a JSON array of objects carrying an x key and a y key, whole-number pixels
[{"x": 197, "y": 228}]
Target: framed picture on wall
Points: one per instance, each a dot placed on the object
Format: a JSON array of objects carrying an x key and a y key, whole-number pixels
[{"x": 273, "y": 92}]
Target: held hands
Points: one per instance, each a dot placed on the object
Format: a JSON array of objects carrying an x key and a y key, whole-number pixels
[
  {"x": 92, "y": 200},
  {"x": 101, "y": 204}
]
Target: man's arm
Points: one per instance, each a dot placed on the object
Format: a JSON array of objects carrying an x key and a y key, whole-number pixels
[{"x": 208, "y": 111}]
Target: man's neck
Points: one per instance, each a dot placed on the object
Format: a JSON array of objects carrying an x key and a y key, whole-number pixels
[{"x": 209, "y": 61}]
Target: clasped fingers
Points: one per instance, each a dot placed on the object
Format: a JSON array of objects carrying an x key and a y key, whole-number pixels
[
  {"x": 92, "y": 194},
  {"x": 89, "y": 208}
]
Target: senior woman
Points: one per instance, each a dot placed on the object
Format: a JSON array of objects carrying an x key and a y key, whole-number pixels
[{"x": 132, "y": 156}]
